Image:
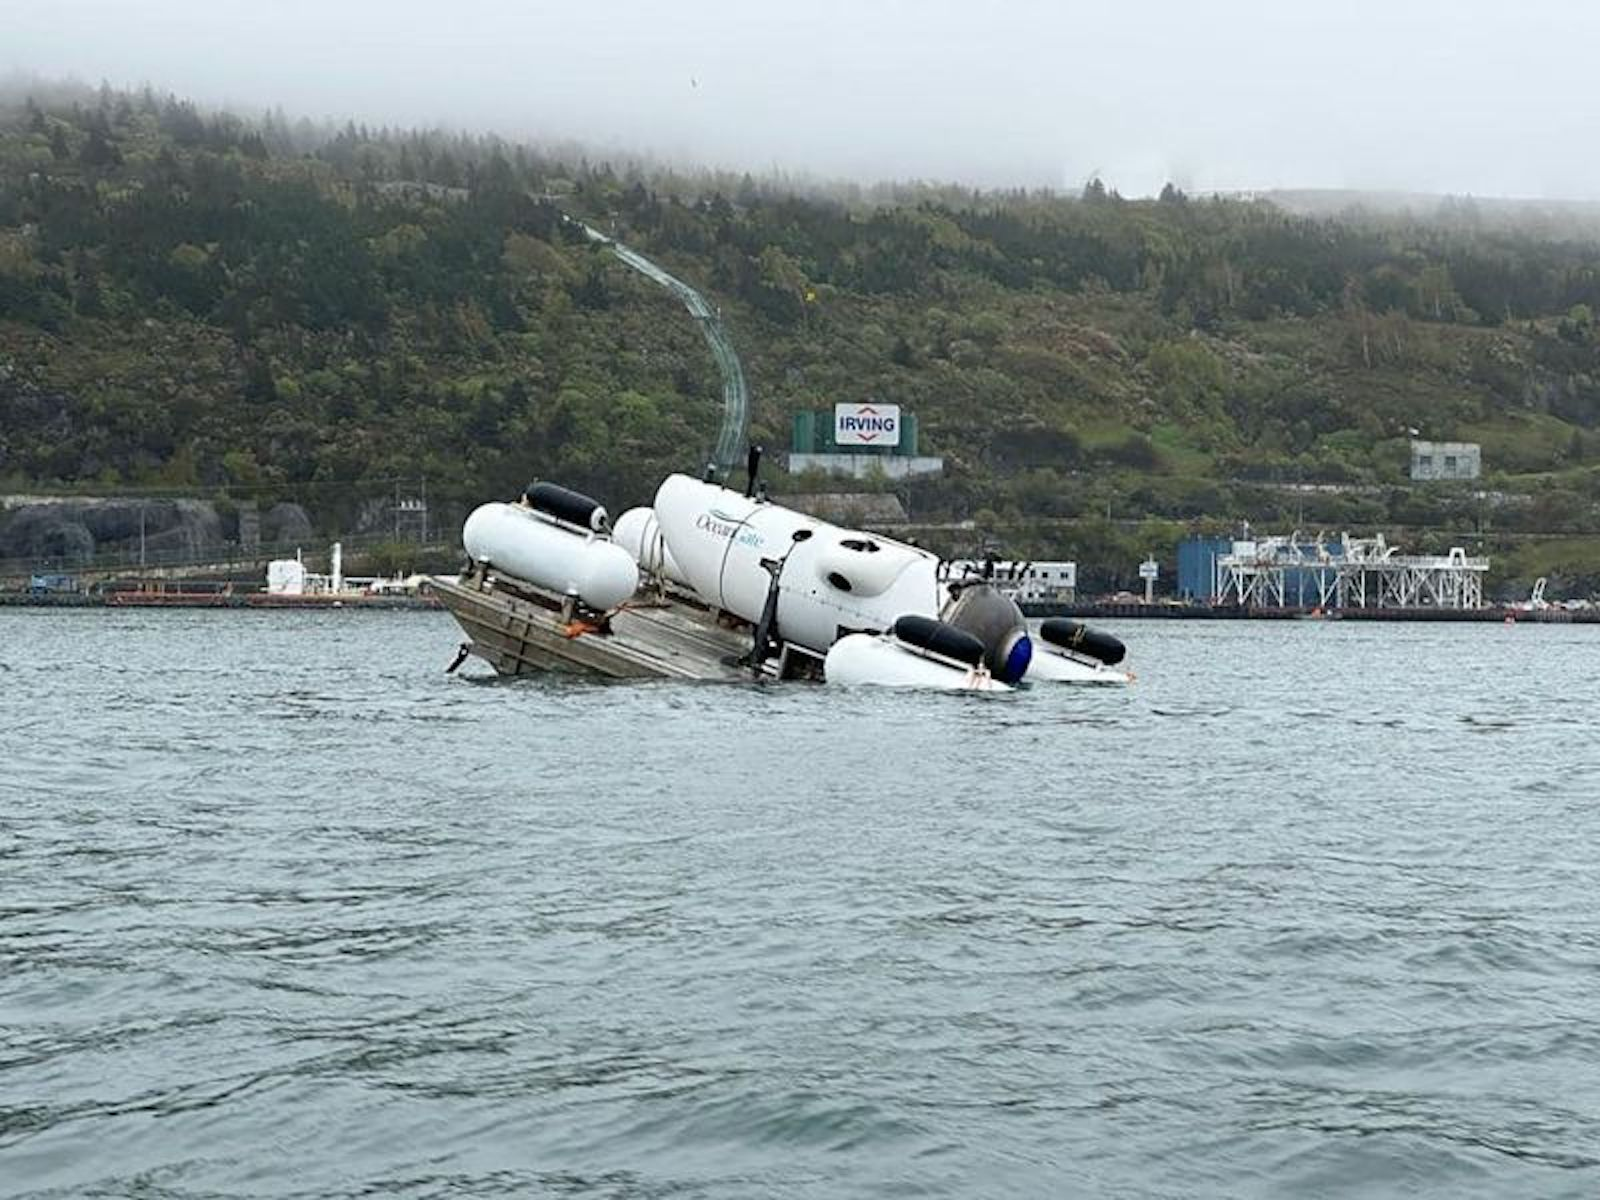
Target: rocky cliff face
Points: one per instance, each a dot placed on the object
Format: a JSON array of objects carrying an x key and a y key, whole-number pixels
[
  {"x": 285, "y": 523},
  {"x": 73, "y": 531}
]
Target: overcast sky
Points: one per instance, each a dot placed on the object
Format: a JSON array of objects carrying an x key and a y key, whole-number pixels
[{"x": 1461, "y": 96}]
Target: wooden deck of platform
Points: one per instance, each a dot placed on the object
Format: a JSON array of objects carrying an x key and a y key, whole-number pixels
[{"x": 518, "y": 632}]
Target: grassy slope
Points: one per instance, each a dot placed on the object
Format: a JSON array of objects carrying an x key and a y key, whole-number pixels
[{"x": 1048, "y": 401}]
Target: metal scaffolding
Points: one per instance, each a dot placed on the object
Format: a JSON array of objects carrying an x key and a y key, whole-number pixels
[{"x": 1288, "y": 572}]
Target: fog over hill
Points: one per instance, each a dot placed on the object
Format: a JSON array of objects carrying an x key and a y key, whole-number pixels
[
  {"x": 1451, "y": 96},
  {"x": 1555, "y": 217}
]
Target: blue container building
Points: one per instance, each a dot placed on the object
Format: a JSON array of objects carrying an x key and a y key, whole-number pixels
[{"x": 1197, "y": 558}]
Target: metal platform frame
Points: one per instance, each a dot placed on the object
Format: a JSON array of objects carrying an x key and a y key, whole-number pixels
[{"x": 1285, "y": 572}]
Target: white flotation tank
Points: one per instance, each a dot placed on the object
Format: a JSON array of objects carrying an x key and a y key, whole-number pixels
[
  {"x": 919, "y": 652},
  {"x": 1049, "y": 665},
  {"x": 529, "y": 546}
]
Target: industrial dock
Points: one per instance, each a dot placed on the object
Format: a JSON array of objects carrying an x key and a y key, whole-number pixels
[{"x": 1134, "y": 610}]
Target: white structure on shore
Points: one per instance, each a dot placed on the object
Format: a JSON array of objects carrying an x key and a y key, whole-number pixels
[
  {"x": 289, "y": 577},
  {"x": 1024, "y": 582},
  {"x": 1286, "y": 572}
]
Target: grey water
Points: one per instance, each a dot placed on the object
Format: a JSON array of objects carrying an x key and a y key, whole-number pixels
[{"x": 1310, "y": 910}]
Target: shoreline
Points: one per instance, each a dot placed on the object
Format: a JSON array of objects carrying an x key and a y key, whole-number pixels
[
  {"x": 257, "y": 601},
  {"x": 261, "y": 601},
  {"x": 1203, "y": 612}
]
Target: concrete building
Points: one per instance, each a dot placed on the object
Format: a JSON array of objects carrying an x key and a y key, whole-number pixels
[
  {"x": 861, "y": 441},
  {"x": 1445, "y": 460}
]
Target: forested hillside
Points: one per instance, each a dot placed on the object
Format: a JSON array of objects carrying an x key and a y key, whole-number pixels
[{"x": 206, "y": 301}]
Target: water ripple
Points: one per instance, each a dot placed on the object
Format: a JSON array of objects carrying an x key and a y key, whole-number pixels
[{"x": 287, "y": 912}]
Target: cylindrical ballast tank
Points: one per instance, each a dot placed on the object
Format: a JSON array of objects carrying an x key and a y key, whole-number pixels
[
  {"x": 1052, "y": 666},
  {"x": 526, "y": 546},
  {"x": 1078, "y": 637},
  {"x": 864, "y": 658},
  {"x": 564, "y": 504},
  {"x": 936, "y": 637}
]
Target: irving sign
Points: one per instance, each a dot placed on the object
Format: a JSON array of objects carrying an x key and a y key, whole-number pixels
[{"x": 866, "y": 424}]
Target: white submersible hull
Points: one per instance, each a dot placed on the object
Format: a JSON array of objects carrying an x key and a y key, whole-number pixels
[{"x": 735, "y": 586}]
